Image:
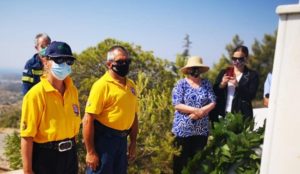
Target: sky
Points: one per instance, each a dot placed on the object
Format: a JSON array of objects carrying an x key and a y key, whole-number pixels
[{"x": 156, "y": 25}]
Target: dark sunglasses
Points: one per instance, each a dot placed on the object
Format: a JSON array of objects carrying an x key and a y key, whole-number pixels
[
  {"x": 60, "y": 60},
  {"x": 241, "y": 59},
  {"x": 123, "y": 62}
]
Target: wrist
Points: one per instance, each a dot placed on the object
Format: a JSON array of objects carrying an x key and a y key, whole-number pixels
[
  {"x": 204, "y": 111},
  {"x": 27, "y": 171},
  {"x": 199, "y": 113},
  {"x": 222, "y": 85},
  {"x": 195, "y": 110},
  {"x": 91, "y": 152}
]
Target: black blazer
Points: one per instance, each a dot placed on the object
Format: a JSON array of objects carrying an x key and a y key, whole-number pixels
[{"x": 244, "y": 93}]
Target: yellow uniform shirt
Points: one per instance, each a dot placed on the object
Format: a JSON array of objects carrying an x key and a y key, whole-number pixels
[
  {"x": 49, "y": 116},
  {"x": 113, "y": 104}
]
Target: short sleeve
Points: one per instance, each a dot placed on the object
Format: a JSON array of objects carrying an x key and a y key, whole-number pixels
[
  {"x": 211, "y": 94},
  {"x": 267, "y": 85},
  {"x": 135, "y": 92},
  {"x": 32, "y": 109},
  {"x": 95, "y": 102},
  {"x": 178, "y": 93},
  {"x": 137, "y": 100},
  {"x": 27, "y": 79}
]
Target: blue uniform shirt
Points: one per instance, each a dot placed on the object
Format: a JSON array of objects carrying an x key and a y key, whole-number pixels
[
  {"x": 267, "y": 85},
  {"x": 32, "y": 71}
]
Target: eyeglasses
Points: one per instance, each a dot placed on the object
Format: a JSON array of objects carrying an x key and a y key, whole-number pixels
[
  {"x": 123, "y": 62},
  {"x": 241, "y": 59},
  {"x": 60, "y": 60}
]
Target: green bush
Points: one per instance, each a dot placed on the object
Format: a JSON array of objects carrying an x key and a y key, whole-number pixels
[
  {"x": 154, "y": 143},
  {"x": 10, "y": 118},
  {"x": 234, "y": 147},
  {"x": 12, "y": 150}
]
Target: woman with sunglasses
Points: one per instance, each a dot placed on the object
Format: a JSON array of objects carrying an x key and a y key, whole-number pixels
[
  {"x": 50, "y": 118},
  {"x": 235, "y": 87},
  {"x": 193, "y": 98}
]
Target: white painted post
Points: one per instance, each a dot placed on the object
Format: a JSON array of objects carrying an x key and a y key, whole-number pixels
[{"x": 281, "y": 149}]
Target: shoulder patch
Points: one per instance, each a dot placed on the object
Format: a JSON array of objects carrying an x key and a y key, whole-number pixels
[
  {"x": 133, "y": 90},
  {"x": 24, "y": 125},
  {"x": 75, "y": 109}
]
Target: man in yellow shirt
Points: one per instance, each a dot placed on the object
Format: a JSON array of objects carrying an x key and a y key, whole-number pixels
[
  {"x": 111, "y": 115},
  {"x": 50, "y": 117}
]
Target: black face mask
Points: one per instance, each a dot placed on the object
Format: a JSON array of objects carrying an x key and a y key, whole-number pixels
[
  {"x": 121, "y": 70},
  {"x": 195, "y": 72}
]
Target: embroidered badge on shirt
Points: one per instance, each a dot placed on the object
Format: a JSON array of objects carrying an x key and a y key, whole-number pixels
[
  {"x": 24, "y": 125},
  {"x": 75, "y": 109},
  {"x": 132, "y": 91}
]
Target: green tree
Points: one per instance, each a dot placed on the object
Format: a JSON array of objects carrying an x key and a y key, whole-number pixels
[
  {"x": 181, "y": 59},
  {"x": 224, "y": 61},
  {"x": 186, "y": 46},
  {"x": 262, "y": 59},
  {"x": 155, "y": 150},
  {"x": 91, "y": 65},
  {"x": 155, "y": 80}
]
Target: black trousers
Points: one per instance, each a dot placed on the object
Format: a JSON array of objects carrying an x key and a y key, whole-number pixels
[
  {"x": 51, "y": 161},
  {"x": 189, "y": 147}
]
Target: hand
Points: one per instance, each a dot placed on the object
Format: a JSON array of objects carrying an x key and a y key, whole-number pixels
[
  {"x": 225, "y": 80},
  {"x": 193, "y": 116},
  {"x": 197, "y": 114},
  {"x": 92, "y": 160},
  {"x": 131, "y": 151},
  {"x": 200, "y": 113}
]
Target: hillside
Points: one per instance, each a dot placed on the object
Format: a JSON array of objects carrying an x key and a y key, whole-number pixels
[
  {"x": 10, "y": 107},
  {"x": 10, "y": 89}
]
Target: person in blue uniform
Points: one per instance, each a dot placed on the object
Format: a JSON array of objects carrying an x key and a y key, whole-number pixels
[
  {"x": 34, "y": 67},
  {"x": 267, "y": 89}
]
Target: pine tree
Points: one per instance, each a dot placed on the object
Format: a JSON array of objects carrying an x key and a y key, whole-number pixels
[
  {"x": 225, "y": 60},
  {"x": 262, "y": 59},
  {"x": 186, "y": 46},
  {"x": 181, "y": 59}
]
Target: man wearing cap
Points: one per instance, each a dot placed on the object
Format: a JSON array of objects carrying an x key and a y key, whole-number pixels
[
  {"x": 193, "y": 98},
  {"x": 50, "y": 118},
  {"x": 34, "y": 67},
  {"x": 110, "y": 116}
]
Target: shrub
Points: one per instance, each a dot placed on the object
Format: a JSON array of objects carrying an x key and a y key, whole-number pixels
[
  {"x": 12, "y": 150},
  {"x": 10, "y": 118},
  {"x": 234, "y": 147}
]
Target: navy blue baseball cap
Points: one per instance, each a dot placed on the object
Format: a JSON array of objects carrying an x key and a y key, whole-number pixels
[{"x": 59, "y": 49}]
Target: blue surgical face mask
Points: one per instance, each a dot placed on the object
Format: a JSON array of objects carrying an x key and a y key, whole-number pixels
[
  {"x": 60, "y": 71},
  {"x": 42, "y": 52}
]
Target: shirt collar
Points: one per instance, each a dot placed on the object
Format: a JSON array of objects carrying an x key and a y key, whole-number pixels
[
  {"x": 48, "y": 87},
  {"x": 109, "y": 78}
]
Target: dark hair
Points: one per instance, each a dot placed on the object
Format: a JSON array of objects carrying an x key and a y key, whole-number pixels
[{"x": 243, "y": 49}]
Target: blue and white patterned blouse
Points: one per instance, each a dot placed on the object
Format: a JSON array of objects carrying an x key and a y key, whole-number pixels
[{"x": 183, "y": 93}]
